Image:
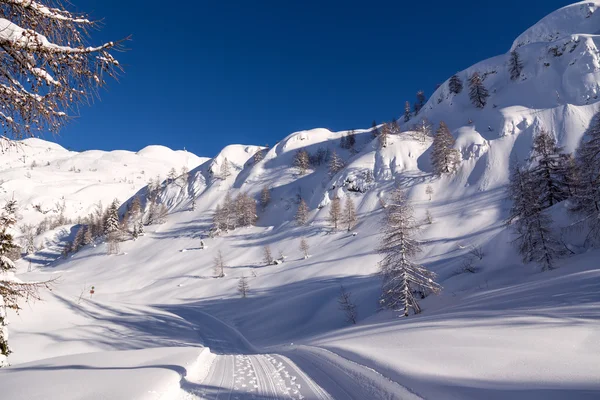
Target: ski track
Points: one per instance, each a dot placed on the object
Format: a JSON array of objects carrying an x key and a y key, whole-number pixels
[{"x": 239, "y": 372}]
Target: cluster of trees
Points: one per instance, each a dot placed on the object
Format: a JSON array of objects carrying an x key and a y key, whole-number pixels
[
  {"x": 552, "y": 177},
  {"x": 180, "y": 178},
  {"x": 303, "y": 161},
  {"x": 234, "y": 213}
]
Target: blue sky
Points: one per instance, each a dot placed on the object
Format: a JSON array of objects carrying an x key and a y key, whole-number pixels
[{"x": 207, "y": 73}]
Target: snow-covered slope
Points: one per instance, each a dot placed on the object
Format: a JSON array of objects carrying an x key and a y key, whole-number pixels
[{"x": 506, "y": 331}]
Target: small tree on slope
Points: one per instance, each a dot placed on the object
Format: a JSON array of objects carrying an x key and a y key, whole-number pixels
[
  {"x": 302, "y": 161},
  {"x": 243, "y": 286},
  {"x": 444, "y": 157},
  {"x": 347, "y": 305},
  {"x": 302, "y": 213},
  {"x": 401, "y": 276},
  {"x": 219, "y": 266},
  {"x": 304, "y": 247},
  {"x": 455, "y": 85},
  {"x": 533, "y": 227},
  {"x": 477, "y": 91},
  {"x": 11, "y": 289},
  {"x": 336, "y": 164},
  {"x": 349, "y": 216},
  {"x": 515, "y": 65},
  {"x": 407, "y": 112},
  {"x": 335, "y": 212}
]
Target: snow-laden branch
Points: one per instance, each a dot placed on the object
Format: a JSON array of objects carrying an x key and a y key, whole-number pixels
[{"x": 47, "y": 12}]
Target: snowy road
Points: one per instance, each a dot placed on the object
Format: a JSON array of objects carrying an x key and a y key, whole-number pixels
[{"x": 241, "y": 372}]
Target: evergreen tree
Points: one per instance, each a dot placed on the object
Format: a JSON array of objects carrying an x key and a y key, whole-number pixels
[
  {"x": 267, "y": 255},
  {"x": 302, "y": 161},
  {"x": 172, "y": 175},
  {"x": 243, "y": 286},
  {"x": 302, "y": 213},
  {"x": 245, "y": 209},
  {"x": 402, "y": 276},
  {"x": 136, "y": 209},
  {"x": 587, "y": 197},
  {"x": 336, "y": 164},
  {"x": 347, "y": 306},
  {"x": 258, "y": 156},
  {"x": 349, "y": 216},
  {"x": 420, "y": 101},
  {"x": 407, "y": 112},
  {"x": 304, "y": 247},
  {"x": 351, "y": 139},
  {"x": 429, "y": 191},
  {"x": 265, "y": 197},
  {"x": 134, "y": 233},
  {"x": 477, "y": 91},
  {"x": 112, "y": 218},
  {"x": 193, "y": 205},
  {"x": 533, "y": 227},
  {"x": 515, "y": 65},
  {"x": 225, "y": 169},
  {"x": 444, "y": 158},
  {"x": 183, "y": 176},
  {"x": 219, "y": 266},
  {"x": 78, "y": 240},
  {"x": 549, "y": 175},
  {"x": 383, "y": 136},
  {"x": 423, "y": 130},
  {"x": 140, "y": 229},
  {"x": 335, "y": 212},
  {"x": 455, "y": 85}
]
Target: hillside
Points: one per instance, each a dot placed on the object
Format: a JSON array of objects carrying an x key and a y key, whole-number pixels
[{"x": 504, "y": 330}]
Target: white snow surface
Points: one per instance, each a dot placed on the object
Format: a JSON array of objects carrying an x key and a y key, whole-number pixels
[{"x": 158, "y": 317}]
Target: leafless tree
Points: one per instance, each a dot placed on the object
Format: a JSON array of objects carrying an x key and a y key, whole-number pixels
[{"x": 347, "y": 306}]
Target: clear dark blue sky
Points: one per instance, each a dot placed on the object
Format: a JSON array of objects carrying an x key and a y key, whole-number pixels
[{"x": 203, "y": 74}]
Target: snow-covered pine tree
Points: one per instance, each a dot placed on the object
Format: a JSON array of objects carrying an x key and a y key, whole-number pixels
[
  {"x": 243, "y": 286},
  {"x": 429, "y": 191},
  {"x": 267, "y": 255},
  {"x": 182, "y": 179},
  {"x": 477, "y": 91},
  {"x": 587, "y": 197},
  {"x": 445, "y": 159},
  {"x": 136, "y": 209},
  {"x": 535, "y": 239},
  {"x": 548, "y": 174},
  {"x": 265, "y": 197},
  {"x": 394, "y": 127},
  {"x": 407, "y": 112},
  {"x": 349, "y": 216},
  {"x": 400, "y": 274},
  {"x": 335, "y": 212},
  {"x": 172, "y": 175},
  {"x": 12, "y": 290},
  {"x": 219, "y": 267},
  {"x": 302, "y": 213},
  {"x": 112, "y": 218},
  {"x": 455, "y": 85},
  {"x": 302, "y": 161},
  {"x": 78, "y": 240},
  {"x": 245, "y": 209},
  {"x": 304, "y": 247},
  {"x": 515, "y": 65},
  {"x": 225, "y": 171},
  {"x": 48, "y": 65},
  {"x": 336, "y": 164},
  {"x": 422, "y": 130},
  {"x": 420, "y": 101},
  {"x": 347, "y": 306}
]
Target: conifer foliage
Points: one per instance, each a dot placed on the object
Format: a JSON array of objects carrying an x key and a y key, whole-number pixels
[
  {"x": 444, "y": 157},
  {"x": 477, "y": 91},
  {"x": 401, "y": 276},
  {"x": 455, "y": 85},
  {"x": 302, "y": 213},
  {"x": 515, "y": 65}
]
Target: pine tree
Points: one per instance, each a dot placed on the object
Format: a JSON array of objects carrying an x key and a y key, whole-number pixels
[
  {"x": 335, "y": 212},
  {"x": 78, "y": 240},
  {"x": 549, "y": 175},
  {"x": 183, "y": 176},
  {"x": 243, "y": 286},
  {"x": 258, "y": 156},
  {"x": 245, "y": 210},
  {"x": 477, "y": 91},
  {"x": 172, "y": 175},
  {"x": 136, "y": 209},
  {"x": 515, "y": 65},
  {"x": 11, "y": 289},
  {"x": 533, "y": 227},
  {"x": 429, "y": 191},
  {"x": 455, "y": 85},
  {"x": 420, "y": 101},
  {"x": 304, "y": 247},
  {"x": 428, "y": 217},
  {"x": 407, "y": 112},
  {"x": 225, "y": 169},
  {"x": 349, "y": 216},
  {"x": 302, "y": 161},
  {"x": 347, "y": 306},
  {"x": 444, "y": 158},
  {"x": 112, "y": 218},
  {"x": 351, "y": 139},
  {"x": 587, "y": 197},
  {"x": 134, "y": 233},
  {"x": 383, "y": 136},
  {"x": 302, "y": 213},
  {"x": 402, "y": 276},
  {"x": 267, "y": 255},
  {"x": 219, "y": 266},
  {"x": 336, "y": 164},
  {"x": 140, "y": 229},
  {"x": 265, "y": 197}
]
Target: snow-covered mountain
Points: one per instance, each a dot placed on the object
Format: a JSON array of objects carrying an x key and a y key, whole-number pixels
[{"x": 506, "y": 330}]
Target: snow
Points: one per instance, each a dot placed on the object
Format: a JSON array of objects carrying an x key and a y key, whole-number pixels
[{"x": 506, "y": 331}]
